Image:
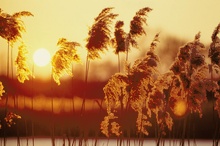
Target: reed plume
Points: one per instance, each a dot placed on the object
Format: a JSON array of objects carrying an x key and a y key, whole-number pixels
[
  {"x": 62, "y": 59},
  {"x": 2, "y": 91},
  {"x": 98, "y": 40},
  {"x": 136, "y": 26},
  {"x": 190, "y": 71},
  {"x": 131, "y": 89},
  {"x": 214, "y": 51},
  {"x": 214, "y": 54},
  {"x": 23, "y": 70},
  {"x": 120, "y": 36},
  {"x": 12, "y": 26},
  {"x": 119, "y": 40},
  {"x": 142, "y": 76},
  {"x": 116, "y": 96},
  {"x": 11, "y": 118},
  {"x": 100, "y": 33}
]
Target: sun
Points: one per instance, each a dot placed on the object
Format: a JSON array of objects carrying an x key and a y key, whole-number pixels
[
  {"x": 180, "y": 108},
  {"x": 41, "y": 57}
]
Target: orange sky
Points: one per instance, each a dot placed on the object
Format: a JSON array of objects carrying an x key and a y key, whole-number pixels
[{"x": 71, "y": 19}]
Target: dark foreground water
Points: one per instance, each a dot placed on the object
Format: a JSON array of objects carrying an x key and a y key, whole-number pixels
[{"x": 99, "y": 142}]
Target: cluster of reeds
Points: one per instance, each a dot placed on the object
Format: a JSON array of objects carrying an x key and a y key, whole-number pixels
[
  {"x": 11, "y": 29},
  {"x": 145, "y": 90},
  {"x": 141, "y": 87}
]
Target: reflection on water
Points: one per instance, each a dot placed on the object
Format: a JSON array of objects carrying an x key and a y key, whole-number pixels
[
  {"x": 43, "y": 103},
  {"x": 98, "y": 142}
]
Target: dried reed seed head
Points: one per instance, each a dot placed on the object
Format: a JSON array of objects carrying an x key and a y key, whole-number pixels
[
  {"x": 139, "y": 76},
  {"x": 115, "y": 90},
  {"x": 63, "y": 58},
  {"x": 156, "y": 99},
  {"x": 12, "y": 26},
  {"x": 115, "y": 129},
  {"x": 197, "y": 61},
  {"x": 120, "y": 37},
  {"x": 136, "y": 26},
  {"x": 154, "y": 42},
  {"x": 99, "y": 35},
  {"x": 21, "y": 63},
  {"x": 176, "y": 67},
  {"x": 214, "y": 50},
  {"x": 184, "y": 53},
  {"x": 11, "y": 118},
  {"x": 217, "y": 106},
  {"x": 119, "y": 24},
  {"x": 215, "y": 33},
  {"x": 1, "y": 89},
  {"x": 104, "y": 126},
  {"x": 103, "y": 13},
  {"x": 22, "y": 14}
]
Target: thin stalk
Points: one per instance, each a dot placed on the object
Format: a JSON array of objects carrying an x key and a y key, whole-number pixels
[
  {"x": 213, "y": 107},
  {"x": 119, "y": 64},
  {"x": 32, "y": 106},
  {"x": 126, "y": 47},
  {"x": 6, "y": 101},
  {"x": 26, "y": 127},
  {"x": 216, "y": 125},
  {"x": 86, "y": 83},
  {"x": 156, "y": 131},
  {"x": 7, "y": 73},
  {"x": 184, "y": 132},
  {"x": 13, "y": 94},
  {"x": 189, "y": 130},
  {"x": 216, "y": 132},
  {"x": 97, "y": 131},
  {"x": 12, "y": 71},
  {"x": 127, "y": 55},
  {"x": 17, "y": 126},
  {"x": 73, "y": 105},
  {"x": 158, "y": 134},
  {"x": 52, "y": 111},
  {"x": 173, "y": 133},
  {"x": 18, "y": 138},
  {"x": 26, "y": 131},
  {"x": 32, "y": 128}
]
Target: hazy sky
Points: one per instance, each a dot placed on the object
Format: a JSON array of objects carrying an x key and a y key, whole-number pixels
[{"x": 71, "y": 19}]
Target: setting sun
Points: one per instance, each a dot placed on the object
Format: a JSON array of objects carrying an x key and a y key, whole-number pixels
[
  {"x": 180, "y": 108},
  {"x": 109, "y": 72},
  {"x": 41, "y": 57}
]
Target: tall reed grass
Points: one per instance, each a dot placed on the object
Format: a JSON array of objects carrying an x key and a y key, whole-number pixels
[{"x": 141, "y": 89}]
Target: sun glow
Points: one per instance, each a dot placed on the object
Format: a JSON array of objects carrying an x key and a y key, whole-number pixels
[
  {"x": 41, "y": 57},
  {"x": 180, "y": 108}
]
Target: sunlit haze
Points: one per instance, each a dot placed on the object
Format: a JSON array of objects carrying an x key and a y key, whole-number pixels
[
  {"x": 180, "y": 108},
  {"x": 71, "y": 19},
  {"x": 123, "y": 71}
]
